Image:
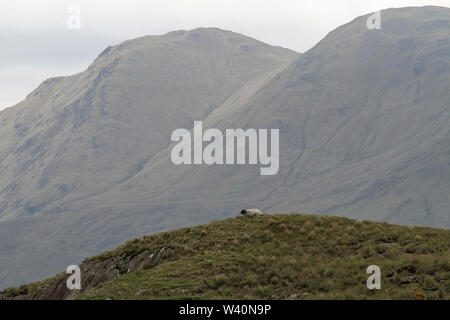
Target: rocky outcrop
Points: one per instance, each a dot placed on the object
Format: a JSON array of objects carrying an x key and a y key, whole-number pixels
[{"x": 93, "y": 273}]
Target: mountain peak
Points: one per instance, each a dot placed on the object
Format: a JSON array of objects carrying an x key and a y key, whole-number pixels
[{"x": 210, "y": 38}]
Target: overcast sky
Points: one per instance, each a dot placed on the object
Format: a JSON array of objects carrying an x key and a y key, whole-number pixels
[{"x": 36, "y": 43}]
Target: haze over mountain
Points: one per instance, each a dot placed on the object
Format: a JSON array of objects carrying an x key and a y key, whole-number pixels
[{"x": 364, "y": 121}]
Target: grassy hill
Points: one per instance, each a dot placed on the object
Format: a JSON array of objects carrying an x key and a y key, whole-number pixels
[{"x": 266, "y": 257}]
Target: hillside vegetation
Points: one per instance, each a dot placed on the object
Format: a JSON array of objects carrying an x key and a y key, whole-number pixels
[{"x": 277, "y": 257}]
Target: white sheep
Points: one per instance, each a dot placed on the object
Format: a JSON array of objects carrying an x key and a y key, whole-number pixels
[{"x": 251, "y": 212}]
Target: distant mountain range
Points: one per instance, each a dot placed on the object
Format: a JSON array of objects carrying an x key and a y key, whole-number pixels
[{"x": 364, "y": 121}]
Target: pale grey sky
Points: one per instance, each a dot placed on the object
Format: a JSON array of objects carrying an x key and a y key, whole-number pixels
[{"x": 36, "y": 43}]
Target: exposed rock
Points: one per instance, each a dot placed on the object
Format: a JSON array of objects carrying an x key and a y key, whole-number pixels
[
  {"x": 94, "y": 273},
  {"x": 139, "y": 292}
]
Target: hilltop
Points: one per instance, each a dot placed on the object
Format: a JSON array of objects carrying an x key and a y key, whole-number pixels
[{"x": 265, "y": 257}]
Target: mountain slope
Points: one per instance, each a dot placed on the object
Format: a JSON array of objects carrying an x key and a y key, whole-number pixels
[
  {"x": 265, "y": 257},
  {"x": 364, "y": 122},
  {"x": 111, "y": 119},
  {"x": 76, "y": 137}
]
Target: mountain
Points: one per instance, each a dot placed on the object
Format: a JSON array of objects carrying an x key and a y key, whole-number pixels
[
  {"x": 364, "y": 120},
  {"x": 364, "y": 127},
  {"x": 76, "y": 137},
  {"x": 110, "y": 120},
  {"x": 297, "y": 257}
]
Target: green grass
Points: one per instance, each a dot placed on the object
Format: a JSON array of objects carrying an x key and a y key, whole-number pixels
[{"x": 276, "y": 256}]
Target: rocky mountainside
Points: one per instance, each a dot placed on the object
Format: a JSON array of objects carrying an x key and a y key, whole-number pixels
[
  {"x": 79, "y": 136},
  {"x": 364, "y": 120}
]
